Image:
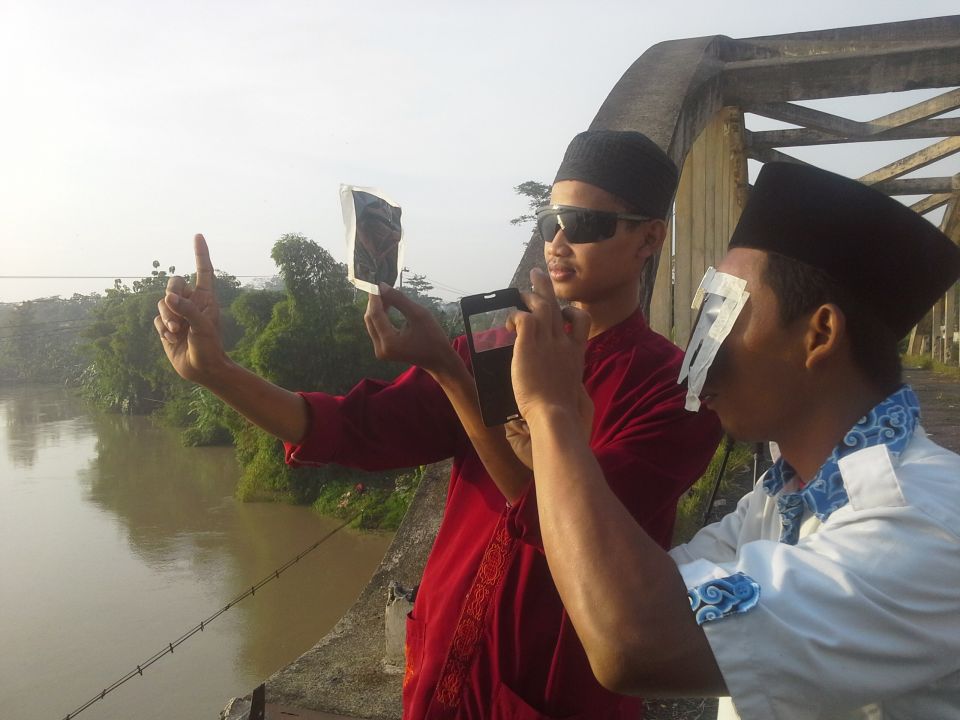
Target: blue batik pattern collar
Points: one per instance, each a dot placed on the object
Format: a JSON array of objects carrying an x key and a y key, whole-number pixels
[{"x": 891, "y": 423}]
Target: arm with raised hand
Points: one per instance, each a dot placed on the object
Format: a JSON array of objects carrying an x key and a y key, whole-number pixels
[
  {"x": 189, "y": 327},
  {"x": 624, "y": 594},
  {"x": 422, "y": 342}
]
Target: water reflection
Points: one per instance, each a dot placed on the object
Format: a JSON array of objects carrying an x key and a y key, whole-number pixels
[
  {"x": 34, "y": 419},
  {"x": 164, "y": 494},
  {"x": 115, "y": 540}
]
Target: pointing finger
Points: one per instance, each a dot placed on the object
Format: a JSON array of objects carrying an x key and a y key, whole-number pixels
[
  {"x": 547, "y": 308},
  {"x": 205, "y": 277},
  {"x": 542, "y": 285}
]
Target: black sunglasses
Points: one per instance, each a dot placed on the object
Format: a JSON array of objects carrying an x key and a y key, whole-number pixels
[{"x": 580, "y": 225}]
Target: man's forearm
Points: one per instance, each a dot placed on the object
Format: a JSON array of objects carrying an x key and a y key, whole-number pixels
[
  {"x": 624, "y": 594},
  {"x": 510, "y": 475},
  {"x": 277, "y": 411}
]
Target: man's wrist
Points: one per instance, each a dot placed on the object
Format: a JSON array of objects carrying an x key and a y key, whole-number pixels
[
  {"x": 544, "y": 415},
  {"x": 223, "y": 375},
  {"x": 448, "y": 368}
]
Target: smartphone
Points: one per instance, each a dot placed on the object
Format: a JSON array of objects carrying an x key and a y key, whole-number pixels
[{"x": 491, "y": 351}]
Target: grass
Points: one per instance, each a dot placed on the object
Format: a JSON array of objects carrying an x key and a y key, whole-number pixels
[
  {"x": 382, "y": 508},
  {"x": 693, "y": 503},
  {"x": 926, "y": 362}
]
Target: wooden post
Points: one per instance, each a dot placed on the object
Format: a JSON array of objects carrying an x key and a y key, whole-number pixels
[
  {"x": 682, "y": 290},
  {"x": 708, "y": 204},
  {"x": 936, "y": 313},
  {"x": 949, "y": 324},
  {"x": 661, "y": 304}
]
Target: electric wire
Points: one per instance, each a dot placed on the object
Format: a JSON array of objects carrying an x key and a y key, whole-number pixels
[
  {"x": 169, "y": 647},
  {"x": 458, "y": 292},
  {"x": 45, "y": 332},
  {"x": 141, "y": 276},
  {"x": 44, "y": 322},
  {"x": 448, "y": 288}
]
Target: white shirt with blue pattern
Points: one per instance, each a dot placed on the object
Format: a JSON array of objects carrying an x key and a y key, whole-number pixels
[{"x": 861, "y": 617}]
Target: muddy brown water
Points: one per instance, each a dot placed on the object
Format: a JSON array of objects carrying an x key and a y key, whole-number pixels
[{"x": 115, "y": 540}]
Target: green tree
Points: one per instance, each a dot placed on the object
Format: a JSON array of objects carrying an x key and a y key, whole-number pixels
[
  {"x": 315, "y": 339},
  {"x": 537, "y": 195},
  {"x": 40, "y": 339},
  {"x": 419, "y": 288},
  {"x": 127, "y": 370}
]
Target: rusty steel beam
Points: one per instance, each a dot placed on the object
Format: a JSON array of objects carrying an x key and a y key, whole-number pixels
[
  {"x": 802, "y": 137},
  {"x": 855, "y": 129},
  {"x": 919, "y": 186},
  {"x": 930, "y": 203},
  {"x": 914, "y": 161}
]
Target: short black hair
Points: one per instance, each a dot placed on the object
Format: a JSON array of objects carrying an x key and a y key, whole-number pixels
[{"x": 801, "y": 288}]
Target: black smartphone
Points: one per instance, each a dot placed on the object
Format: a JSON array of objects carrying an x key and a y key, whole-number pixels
[{"x": 491, "y": 351}]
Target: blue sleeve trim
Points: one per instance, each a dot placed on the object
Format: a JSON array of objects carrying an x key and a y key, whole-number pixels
[{"x": 719, "y": 598}]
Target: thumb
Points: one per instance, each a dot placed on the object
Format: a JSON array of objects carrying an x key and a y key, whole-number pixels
[
  {"x": 376, "y": 319},
  {"x": 394, "y": 298}
]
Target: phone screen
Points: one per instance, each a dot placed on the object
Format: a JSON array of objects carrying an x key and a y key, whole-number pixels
[
  {"x": 491, "y": 351},
  {"x": 489, "y": 332}
]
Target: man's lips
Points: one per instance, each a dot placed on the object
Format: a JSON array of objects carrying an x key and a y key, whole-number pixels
[{"x": 560, "y": 272}]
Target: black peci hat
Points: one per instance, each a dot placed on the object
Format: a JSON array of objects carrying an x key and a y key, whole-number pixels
[
  {"x": 886, "y": 255},
  {"x": 626, "y": 163}
]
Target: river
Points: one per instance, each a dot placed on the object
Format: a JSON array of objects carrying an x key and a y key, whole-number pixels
[{"x": 115, "y": 540}]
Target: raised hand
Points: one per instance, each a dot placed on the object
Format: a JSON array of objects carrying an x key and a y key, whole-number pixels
[
  {"x": 189, "y": 322},
  {"x": 547, "y": 365},
  {"x": 420, "y": 341}
]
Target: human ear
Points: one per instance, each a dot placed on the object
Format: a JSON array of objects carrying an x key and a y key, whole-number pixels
[
  {"x": 654, "y": 233},
  {"x": 825, "y": 334}
]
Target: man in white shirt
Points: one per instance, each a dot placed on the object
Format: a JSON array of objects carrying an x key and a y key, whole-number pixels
[{"x": 833, "y": 591}]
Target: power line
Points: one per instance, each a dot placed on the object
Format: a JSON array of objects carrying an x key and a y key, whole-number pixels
[
  {"x": 141, "y": 276},
  {"x": 44, "y": 322},
  {"x": 436, "y": 283},
  {"x": 45, "y": 333},
  {"x": 443, "y": 286},
  {"x": 169, "y": 648},
  {"x": 145, "y": 277}
]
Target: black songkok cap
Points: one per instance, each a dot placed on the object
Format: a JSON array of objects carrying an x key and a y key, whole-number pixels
[
  {"x": 886, "y": 255},
  {"x": 626, "y": 163}
]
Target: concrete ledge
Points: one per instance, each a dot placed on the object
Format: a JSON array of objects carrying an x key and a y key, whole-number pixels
[{"x": 344, "y": 673}]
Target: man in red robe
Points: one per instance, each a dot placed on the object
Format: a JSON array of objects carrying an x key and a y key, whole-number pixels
[{"x": 488, "y": 636}]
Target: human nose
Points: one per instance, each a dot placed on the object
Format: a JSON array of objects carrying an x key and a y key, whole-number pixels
[{"x": 560, "y": 245}]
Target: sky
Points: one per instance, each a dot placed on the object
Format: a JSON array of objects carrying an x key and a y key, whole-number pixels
[{"x": 127, "y": 126}]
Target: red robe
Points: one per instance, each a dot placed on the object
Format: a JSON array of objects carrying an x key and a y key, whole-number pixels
[{"x": 488, "y": 636}]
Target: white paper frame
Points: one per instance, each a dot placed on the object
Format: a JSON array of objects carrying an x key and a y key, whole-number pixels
[{"x": 350, "y": 223}]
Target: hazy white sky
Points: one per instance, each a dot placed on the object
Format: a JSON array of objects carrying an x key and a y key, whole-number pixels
[{"x": 126, "y": 127}]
